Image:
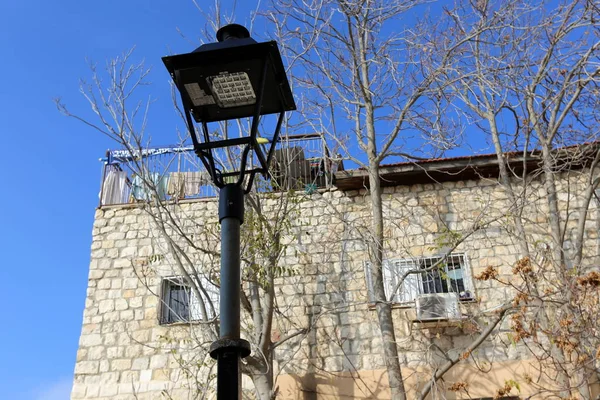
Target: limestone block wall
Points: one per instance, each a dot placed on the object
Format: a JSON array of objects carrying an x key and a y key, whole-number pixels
[{"x": 124, "y": 352}]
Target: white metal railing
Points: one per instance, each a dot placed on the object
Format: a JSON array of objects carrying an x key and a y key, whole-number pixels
[{"x": 301, "y": 162}]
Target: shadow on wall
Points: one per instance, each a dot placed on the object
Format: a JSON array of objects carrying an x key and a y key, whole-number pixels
[{"x": 336, "y": 345}]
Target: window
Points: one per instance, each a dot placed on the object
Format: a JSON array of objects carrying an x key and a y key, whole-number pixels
[
  {"x": 179, "y": 302},
  {"x": 450, "y": 276}
]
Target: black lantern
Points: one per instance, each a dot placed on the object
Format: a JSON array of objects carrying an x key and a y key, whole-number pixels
[{"x": 232, "y": 79}]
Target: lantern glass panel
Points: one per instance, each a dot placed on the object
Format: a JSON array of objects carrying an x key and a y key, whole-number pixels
[
  {"x": 232, "y": 89},
  {"x": 197, "y": 95}
]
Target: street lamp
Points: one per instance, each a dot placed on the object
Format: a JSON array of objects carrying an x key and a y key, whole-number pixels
[{"x": 233, "y": 78}]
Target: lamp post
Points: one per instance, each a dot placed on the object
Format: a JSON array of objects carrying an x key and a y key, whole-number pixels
[{"x": 233, "y": 78}]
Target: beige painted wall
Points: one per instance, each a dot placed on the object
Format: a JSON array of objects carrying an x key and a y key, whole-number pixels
[{"x": 373, "y": 384}]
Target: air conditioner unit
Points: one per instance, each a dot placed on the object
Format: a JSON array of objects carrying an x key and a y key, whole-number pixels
[{"x": 437, "y": 307}]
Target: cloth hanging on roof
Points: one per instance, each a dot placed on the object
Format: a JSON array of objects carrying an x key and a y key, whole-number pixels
[
  {"x": 186, "y": 184},
  {"x": 142, "y": 191},
  {"x": 176, "y": 185},
  {"x": 161, "y": 182},
  {"x": 114, "y": 187},
  {"x": 193, "y": 182},
  {"x": 139, "y": 190}
]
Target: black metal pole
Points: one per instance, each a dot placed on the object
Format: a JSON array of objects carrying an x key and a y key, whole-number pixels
[{"x": 230, "y": 347}]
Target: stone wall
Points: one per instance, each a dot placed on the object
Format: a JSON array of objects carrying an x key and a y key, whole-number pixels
[{"x": 124, "y": 352}]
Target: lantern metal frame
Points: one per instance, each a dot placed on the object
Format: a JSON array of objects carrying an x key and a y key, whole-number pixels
[{"x": 236, "y": 53}]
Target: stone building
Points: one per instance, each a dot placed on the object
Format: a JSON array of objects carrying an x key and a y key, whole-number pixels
[{"x": 144, "y": 338}]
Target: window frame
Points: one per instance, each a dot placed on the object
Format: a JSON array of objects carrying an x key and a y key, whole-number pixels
[
  {"x": 168, "y": 316},
  {"x": 393, "y": 269}
]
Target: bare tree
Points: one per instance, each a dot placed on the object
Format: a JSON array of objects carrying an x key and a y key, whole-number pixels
[
  {"x": 356, "y": 65},
  {"x": 536, "y": 66}
]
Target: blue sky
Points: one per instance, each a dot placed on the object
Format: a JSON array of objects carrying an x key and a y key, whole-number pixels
[{"x": 50, "y": 171}]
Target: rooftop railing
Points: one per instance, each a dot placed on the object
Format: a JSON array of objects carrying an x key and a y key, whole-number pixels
[{"x": 301, "y": 162}]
